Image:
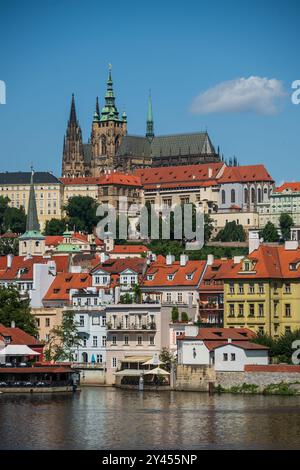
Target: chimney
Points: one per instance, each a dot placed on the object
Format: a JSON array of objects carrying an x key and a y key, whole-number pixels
[
  {"x": 103, "y": 257},
  {"x": 170, "y": 259},
  {"x": 210, "y": 260},
  {"x": 183, "y": 259},
  {"x": 191, "y": 331},
  {"x": 13, "y": 324},
  {"x": 290, "y": 245},
  {"x": 209, "y": 172},
  {"x": 254, "y": 240},
  {"x": 237, "y": 259},
  {"x": 229, "y": 340},
  {"x": 9, "y": 261}
]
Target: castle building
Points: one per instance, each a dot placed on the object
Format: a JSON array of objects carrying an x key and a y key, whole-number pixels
[{"x": 110, "y": 147}]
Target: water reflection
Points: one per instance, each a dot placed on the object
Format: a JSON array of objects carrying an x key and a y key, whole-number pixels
[{"x": 104, "y": 418}]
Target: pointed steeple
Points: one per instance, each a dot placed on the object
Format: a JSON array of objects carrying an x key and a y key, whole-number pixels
[
  {"x": 97, "y": 111},
  {"x": 73, "y": 118},
  {"x": 150, "y": 123},
  {"x": 109, "y": 112},
  {"x": 32, "y": 222}
]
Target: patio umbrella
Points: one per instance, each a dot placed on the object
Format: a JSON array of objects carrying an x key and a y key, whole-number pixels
[
  {"x": 157, "y": 371},
  {"x": 93, "y": 358},
  {"x": 154, "y": 361}
]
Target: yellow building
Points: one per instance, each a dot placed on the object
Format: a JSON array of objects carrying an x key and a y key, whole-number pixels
[
  {"x": 262, "y": 292},
  {"x": 48, "y": 193}
]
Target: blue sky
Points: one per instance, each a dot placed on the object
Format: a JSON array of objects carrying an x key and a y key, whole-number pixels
[{"x": 52, "y": 48}]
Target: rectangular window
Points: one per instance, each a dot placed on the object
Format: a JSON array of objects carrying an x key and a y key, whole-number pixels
[
  {"x": 233, "y": 356},
  {"x": 37, "y": 322},
  {"x": 251, "y": 310},
  {"x": 287, "y": 310},
  {"x": 231, "y": 310},
  {"x": 126, "y": 340},
  {"x": 287, "y": 288},
  {"x": 139, "y": 340},
  {"x": 169, "y": 297},
  {"x": 225, "y": 357},
  {"x": 99, "y": 358},
  {"x": 81, "y": 320},
  {"x": 151, "y": 340},
  {"x": 241, "y": 310},
  {"x": 103, "y": 340},
  {"x": 251, "y": 289},
  {"x": 261, "y": 310},
  {"x": 47, "y": 322},
  {"x": 95, "y": 320},
  {"x": 103, "y": 319},
  {"x": 261, "y": 288},
  {"x": 287, "y": 329},
  {"x": 114, "y": 340},
  {"x": 179, "y": 297},
  {"x": 114, "y": 362},
  {"x": 231, "y": 287},
  {"x": 95, "y": 341},
  {"x": 241, "y": 288}
]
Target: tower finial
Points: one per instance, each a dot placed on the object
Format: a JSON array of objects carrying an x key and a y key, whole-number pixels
[
  {"x": 73, "y": 118},
  {"x": 150, "y": 122}
]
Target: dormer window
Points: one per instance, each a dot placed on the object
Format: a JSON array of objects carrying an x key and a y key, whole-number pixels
[
  {"x": 189, "y": 277},
  {"x": 170, "y": 277},
  {"x": 246, "y": 266},
  {"x": 150, "y": 277}
]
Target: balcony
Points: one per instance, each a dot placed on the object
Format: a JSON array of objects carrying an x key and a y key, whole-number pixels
[{"x": 132, "y": 327}]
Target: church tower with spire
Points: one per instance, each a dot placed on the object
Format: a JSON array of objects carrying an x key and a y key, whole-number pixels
[
  {"x": 150, "y": 123},
  {"x": 73, "y": 158},
  {"x": 108, "y": 129},
  {"x": 32, "y": 242}
]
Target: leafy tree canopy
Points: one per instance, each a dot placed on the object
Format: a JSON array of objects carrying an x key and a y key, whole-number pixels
[
  {"x": 286, "y": 223},
  {"x": 55, "y": 227},
  {"x": 269, "y": 233},
  {"x": 64, "y": 339},
  {"x": 232, "y": 232},
  {"x": 13, "y": 308},
  {"x": 81, "y": 212}
]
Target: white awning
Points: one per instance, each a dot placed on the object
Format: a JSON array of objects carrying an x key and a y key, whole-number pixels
[
  {"x": 18, "y": 350},
  {"x": 129, "y": 372},
  {"x": 154, "y": 361},
  {"x": 157, "y": 371}
]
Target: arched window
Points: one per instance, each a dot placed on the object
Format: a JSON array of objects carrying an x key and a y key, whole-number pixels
[
  {"x": 259, "y": 195},
  {"x": 246, "y": 196},
  {"x": 232, "y": 196},
  {"x": 103, "y": 145},
  {"x": 223, "y": 196},
  {"x": 252, "y": 195}
]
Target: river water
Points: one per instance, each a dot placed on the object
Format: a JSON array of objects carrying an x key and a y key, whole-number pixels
[{"x": 108, "y": 418}]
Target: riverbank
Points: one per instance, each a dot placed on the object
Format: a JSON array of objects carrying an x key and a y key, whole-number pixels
[{"x": 111, "y": 418}]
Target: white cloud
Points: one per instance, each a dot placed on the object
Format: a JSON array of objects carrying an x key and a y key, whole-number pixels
[{"x": 254, "y": 94}]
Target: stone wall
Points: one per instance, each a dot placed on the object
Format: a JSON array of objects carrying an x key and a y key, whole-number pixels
[
  {"x": 196, "y": 378},
  {"x": 262, "y": 379}
]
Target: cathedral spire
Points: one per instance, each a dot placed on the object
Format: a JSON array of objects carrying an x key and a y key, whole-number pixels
[
  {"x": 32, "y": 222},
  {"x": 97, "y": 111},
  {"x": 109, "y": 112},
  {"x": 73, "y": 118},
  {"x": 150, "y": 123}
]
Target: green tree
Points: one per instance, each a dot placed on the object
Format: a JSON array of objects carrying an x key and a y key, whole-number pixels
[
  {"x": 208, "y": 227},
  {"x": 81, "y": 211},
  {"x": 232, "y": 232},
  {"x": 285, "y": 223},
  {"x": 137, "y": 293},
  {"x": 9, "y": 245},
  {"x": 167, "y": 358},
  {"x": 269, "y": 233},
  {"x": 3, "y": 207},
  {"x": 64, "y": 339},
  {"x": 55, "y": 227},
  {"x": 13, "y": 308},
  {"x": 175, "y": 314},
  {"x": 184, "y": 317},
  {"x": 14, "y": 219},
  {"x": 280, "y": 348},
  {"x": 126, "y": 299}
]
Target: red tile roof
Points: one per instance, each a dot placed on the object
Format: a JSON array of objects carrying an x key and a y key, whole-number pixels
[
  {"x": 240, "y": 174},
  {"x": 115, "y": 178},
  {"x": 64, "y": 282},
  {"x": 179, "y": 176},
  {"x": 271, "y": 262},
  {"x": 53, "y": 240},
  {"x": 293, "y": 187},
  {"x": 24, "y": 266},
  {"x": 160, "y": 271},
  {"x": 221, "y": 334},
  {"x": 129, "y": 249},
  {"x": 210, "y": 280},
  {"x": 211, "y": 345},
  {"x": 117, "y": 266},
  {"x": 18, "y": 336}
]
